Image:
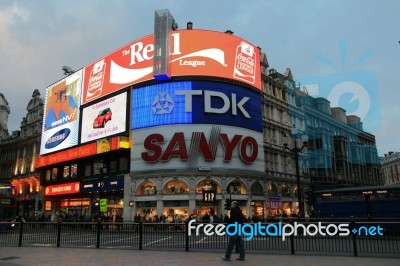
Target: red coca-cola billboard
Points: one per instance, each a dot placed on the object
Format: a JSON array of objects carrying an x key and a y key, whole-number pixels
[{"x": 192, "y": 52}]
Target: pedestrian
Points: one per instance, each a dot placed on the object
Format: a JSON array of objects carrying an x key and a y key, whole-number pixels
[{"x": 236, "y": 216}]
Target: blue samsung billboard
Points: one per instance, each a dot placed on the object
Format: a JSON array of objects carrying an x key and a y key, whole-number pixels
[{"x": 196, "y": 102}]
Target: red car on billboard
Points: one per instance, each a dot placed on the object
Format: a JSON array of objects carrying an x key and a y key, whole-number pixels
[{"x": 102, "y": 118}]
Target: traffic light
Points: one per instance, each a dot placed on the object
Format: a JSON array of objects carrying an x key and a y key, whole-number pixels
[{"x": 227, "y": 204}]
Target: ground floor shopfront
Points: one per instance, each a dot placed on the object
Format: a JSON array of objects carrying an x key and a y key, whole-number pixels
[
  {"x": 176, "y": 198},
  {"x": 80, "y": 200},
  {"x": 169, "y": 198}
]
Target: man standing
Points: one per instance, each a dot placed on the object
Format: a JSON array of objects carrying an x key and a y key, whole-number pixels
[{"x": 236, "y": 216}]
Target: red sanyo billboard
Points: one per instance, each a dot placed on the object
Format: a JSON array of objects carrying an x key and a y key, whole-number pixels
[
  {"x": 203, "y": 147},
  {"x": 192, "y": 52}
]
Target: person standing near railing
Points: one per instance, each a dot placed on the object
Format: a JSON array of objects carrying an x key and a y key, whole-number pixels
[{"x": 236, "y": 216}]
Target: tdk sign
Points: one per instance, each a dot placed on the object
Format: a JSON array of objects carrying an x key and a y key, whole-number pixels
[
  {"x": 196, "y": 103},
  {"x": 227, "y": 104}
]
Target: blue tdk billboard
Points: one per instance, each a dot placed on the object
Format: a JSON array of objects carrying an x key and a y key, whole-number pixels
[{"x": 196, "y": 102}]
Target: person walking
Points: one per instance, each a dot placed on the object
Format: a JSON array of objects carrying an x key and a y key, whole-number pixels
[{"x": 236, "y": 216}]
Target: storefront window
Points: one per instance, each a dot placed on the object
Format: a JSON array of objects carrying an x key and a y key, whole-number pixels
[
  {"x": 176, "y": 187},
  {"x": 236, "y": 187},
  {"x": 285, "y": 190},
  {"x": 148, "y": 188},
  {"x": 272, "y": 190},
  {"x": 257, "y": 189},
  {"x": 206, "y": 185}
]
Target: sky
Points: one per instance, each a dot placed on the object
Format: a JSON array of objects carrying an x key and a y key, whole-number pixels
[{"x": 346, "y": 51}]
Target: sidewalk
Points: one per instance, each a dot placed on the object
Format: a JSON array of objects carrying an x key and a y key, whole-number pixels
[{"x": 18, "y": 256}]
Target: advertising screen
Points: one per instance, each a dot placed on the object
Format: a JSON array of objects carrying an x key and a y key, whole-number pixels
[
  {"x": 202, "y": 147},
  {"x": 61, "y": 114},
  {"x": 196, "y": 102},
  {"x": 192, "y": 52},
  {"x": 62, "y": 189},
  {"x": 104, "y": 118}
]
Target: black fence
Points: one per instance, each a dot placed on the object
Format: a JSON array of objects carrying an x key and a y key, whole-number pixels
[{"x": 357, "y": 239}]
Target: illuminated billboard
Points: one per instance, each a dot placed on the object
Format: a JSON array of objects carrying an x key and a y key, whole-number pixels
[
  {"x": 192, "y": 52},
  {"x": 200, "y": 147},
  {"x": 62, "y": 189},
  {"x": 196, "y": 102},
  {"x": 61, "y": 114},
  {"x": 104, "y": 118}
]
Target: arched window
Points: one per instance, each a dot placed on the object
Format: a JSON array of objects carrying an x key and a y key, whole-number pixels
[
  {"x": 272, "y": 190},
  {"x": 285, "y": 190},
  {"x": 176, "y": 187},
  {"x": 206, "y": 185},
  {"x": 236, "y": 187},
  {"x": 147, "y": 188},
  {"x": 257, "y": 189}
]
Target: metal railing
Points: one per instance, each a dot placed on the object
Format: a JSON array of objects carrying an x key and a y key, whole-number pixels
[{"x": 366, "y": 242}]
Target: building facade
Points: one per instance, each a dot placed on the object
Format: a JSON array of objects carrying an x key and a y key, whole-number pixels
[
  {"x": 390, "y": 165},
  {"x": 18, "y": 155},
  {"x": 120, "y": 137}
]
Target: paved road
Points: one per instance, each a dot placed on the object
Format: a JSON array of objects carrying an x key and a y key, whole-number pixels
[{"x": 42, "y": 256}]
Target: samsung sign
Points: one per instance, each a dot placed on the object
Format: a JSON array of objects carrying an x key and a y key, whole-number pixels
[
  {"x": 57, "y": 138},
  {"x": 192, "y": 102}
]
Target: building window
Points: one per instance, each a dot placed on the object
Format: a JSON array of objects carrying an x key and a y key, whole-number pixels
[
  {"x": 66, "y": 173},
  {"x": 74, "y": 170},
  {"x": 88, "y": 169},
  {"x": 236, "y": 187},
  {"x": 113, "y": 166},
  {"x": 206, "y": 185},
  {"x": 54, "y": 173},
  {"x": 257, "y": 189},
  {"x": 285, "y": 190},
  {"x": 176, "y": 187},
  {"x": 148, "y": 188},
  {"x": 48, "y": 175},
  {"x": 123, "y": 164}
]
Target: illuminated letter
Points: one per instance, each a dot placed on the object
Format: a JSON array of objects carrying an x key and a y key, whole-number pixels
[
  {"x": 155, "y": 150},
  {"x": 176, "y": 147}
]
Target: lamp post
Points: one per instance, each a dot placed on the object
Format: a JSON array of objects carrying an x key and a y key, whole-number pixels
[{"x": 296, "y": 150}]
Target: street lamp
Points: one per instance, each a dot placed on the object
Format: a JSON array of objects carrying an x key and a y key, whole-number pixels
[{"x": 296, "y": 150}]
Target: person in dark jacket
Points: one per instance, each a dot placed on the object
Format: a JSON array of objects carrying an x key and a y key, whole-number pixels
[{"x": 236, "y": 216}]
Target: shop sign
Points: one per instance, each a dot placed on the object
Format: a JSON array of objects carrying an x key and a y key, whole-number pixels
[
  {"x": 7, "y": 201},
  {"x": 273, "y": 205},
  {"x": 68, "y": 188},
  {"x": 103, "y": 205},
  {"x": 209, "y": 196},
  {"x": 74, "y": 203},
  {"x": 109, "y": 184},
  {"x": 47, "y": 205}
]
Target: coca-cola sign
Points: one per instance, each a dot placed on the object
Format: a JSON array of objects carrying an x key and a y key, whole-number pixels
[{"x": 192, "y": 52}]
